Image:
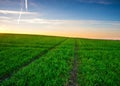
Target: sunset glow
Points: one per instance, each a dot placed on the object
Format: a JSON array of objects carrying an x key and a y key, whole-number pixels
[{"x": 73, "y": 18}]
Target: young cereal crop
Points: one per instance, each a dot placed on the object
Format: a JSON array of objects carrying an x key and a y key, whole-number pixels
[
  {"x": 100, "y": 63},
  {"x": 53, "y": 69},
  {"x": 27, "y": 60},
  {"x": 19, "y": 50}
]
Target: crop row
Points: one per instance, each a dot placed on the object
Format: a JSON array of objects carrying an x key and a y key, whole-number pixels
[
  {"x": 52, "y": 69},
  {"x": 12, "y": 58},
  {"x": 98, "y": 61},
  {"x": 27, "y": 40},
  {"x": 99, "y": 67}
]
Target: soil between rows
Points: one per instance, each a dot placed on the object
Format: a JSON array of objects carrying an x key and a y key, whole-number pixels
[{"x": 73, "y": 77}]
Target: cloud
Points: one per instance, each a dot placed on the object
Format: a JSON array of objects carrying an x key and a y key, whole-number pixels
[
  {"x": 96, "y": 1},
  {"x": 36, "y": 20},
  {"x": 77, "y": 28},
  {"x": 43, "y": 21},
  {"x": 8, "y": 1},
  {"x": 15, "y": 12}
]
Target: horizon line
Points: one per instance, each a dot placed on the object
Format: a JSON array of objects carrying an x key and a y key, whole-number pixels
[{"x": 59, "y": 36}]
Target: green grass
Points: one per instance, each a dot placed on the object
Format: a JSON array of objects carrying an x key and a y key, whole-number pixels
[
  {"x": 50, "y": 70},
  {"x": 98, "y": 61},
  {"x": 19, "y": 49}
]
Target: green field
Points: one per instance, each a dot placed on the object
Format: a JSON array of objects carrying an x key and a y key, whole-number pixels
[{"x": 33, "y": 60}]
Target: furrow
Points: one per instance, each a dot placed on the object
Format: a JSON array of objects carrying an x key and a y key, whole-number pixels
[{"x": 73, "y": 77}]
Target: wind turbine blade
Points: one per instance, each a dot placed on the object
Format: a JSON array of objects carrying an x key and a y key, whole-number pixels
[
  {"x": 19, "y": 16},
  {"x": 26, "y": 4}
]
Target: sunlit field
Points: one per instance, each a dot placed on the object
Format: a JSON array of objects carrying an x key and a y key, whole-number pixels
[{"x": 33, "y": 60}]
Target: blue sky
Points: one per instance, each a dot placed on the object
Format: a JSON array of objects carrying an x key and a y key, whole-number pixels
[
  {"x": 81, "y": 9},
  {"x": 78, "y": 18}
]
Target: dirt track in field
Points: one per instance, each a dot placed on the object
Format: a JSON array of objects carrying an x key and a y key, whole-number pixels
[{"x": 73, "y": 78}]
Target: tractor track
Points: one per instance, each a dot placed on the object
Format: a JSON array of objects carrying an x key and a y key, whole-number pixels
[
  {"x": 73, "y": 74},
  {"x": 10, "y": 74}
]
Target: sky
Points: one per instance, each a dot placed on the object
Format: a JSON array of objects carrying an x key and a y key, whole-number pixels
[{"x": 72, "y": 18}]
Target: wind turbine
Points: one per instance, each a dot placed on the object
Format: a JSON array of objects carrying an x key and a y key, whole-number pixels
[
  {"x": 26, "y": 8},
  {"x": 26, "y": 4}
]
